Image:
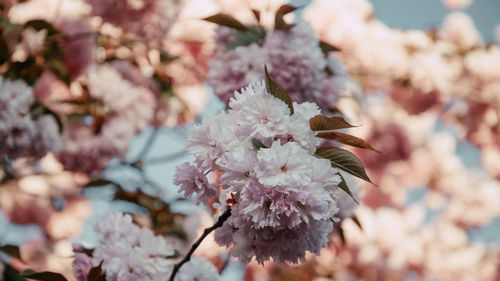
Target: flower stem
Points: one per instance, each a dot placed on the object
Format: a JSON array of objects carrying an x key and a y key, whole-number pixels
[{"x": 196, "y": 244}]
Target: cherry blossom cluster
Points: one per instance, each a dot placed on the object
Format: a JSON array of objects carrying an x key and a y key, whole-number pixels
[
  {"x": 26, "y": 130},
  {"x": 295, "y": 59},
  {"x": 129, "y": 252},
  {"x": 111, "y": 114},
  {"x": 283, "y": 199},
  {"x": 68, "y": 56},
  {"x": 427, "y": 239},
  {"x": 151, "y": 19}
]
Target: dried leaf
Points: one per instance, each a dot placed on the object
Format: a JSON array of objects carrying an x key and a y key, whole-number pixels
[
  {"x": 346, "y": 139},
  {"x": 227, "y": 21},
  {"x": 344, "y": 160},
  {"x": 277, "y": 91},
  {"x": 323, "y": 123}
]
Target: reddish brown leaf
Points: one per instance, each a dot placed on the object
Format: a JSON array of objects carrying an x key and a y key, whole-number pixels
[
  {"x": 277, "y": 91},
  {"x": 95, "y": 273},
  {"x": 43, "y": 276},
  {"x": 344, "y": 160},
  {"x": 279, "y": 21},
  {"x": 356, "y": 221},
  {"x": 256, "y": 14},
  {"x": 344, "y": 187},
  {"x": 11, "y": 250},
  {"x": 327, "y": 47},
  {"x": 226, "y": 20},
  {"x": 346, "y": 139},
  {"x": 323, "y": 123},
  {"x": 285, "y": 9}
]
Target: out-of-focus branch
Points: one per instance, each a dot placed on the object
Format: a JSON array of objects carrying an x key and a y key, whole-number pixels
[{"x": 196, "y": 244}]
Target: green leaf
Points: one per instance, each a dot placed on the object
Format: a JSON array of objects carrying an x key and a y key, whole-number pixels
[
  {"x": 43, "y": 276},
  {"x": 344, "y": 160},
  {"x": 323, "y": 123},
  {"x": 327, "y": 48},
  {"x": 226, "y": 20},
  {"x": 344, "y": 187},
  {"x": 98, "y": 182},
  {"x": 11, "y": 250},
  {"x": 346, "y": 139},
  {"x": 257, "y": 144},
  {"x": 95, "y": 273},
  {"x": 277, "y": 91}
]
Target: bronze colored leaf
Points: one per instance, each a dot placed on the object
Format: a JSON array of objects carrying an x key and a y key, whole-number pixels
[
  {"x": 277, "y": 91},
  {"x": 226, "y": 20},
  {"x": 344, "y": 187},
  {"x": 285, "y": 9},
  {"x": 98, "y": 182},
  {"x": 344, "y": 160},
  {"x": 346, "y": 139},
  {"x": 11, "y": 250},
  {"x": 323, "y": 123},
  {"x": 43, "y": 276},
  {"x": 95, "y": 273},
  {"x": 356, "y": 221},
  {"x": 256, "y": 14},
  {"x": 327, "y": 48}
]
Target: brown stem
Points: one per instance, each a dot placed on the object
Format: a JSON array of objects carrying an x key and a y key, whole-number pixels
[{"x": 196, "y": 244}]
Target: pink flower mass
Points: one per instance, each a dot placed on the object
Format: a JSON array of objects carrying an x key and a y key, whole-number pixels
[{"x": 279, "y": 191}]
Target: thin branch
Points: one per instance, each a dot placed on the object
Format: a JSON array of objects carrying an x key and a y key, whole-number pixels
[{"x": 196, "y": 244}]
